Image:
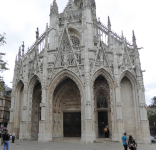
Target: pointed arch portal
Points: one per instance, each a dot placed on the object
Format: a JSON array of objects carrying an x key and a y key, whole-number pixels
[
  {"x": 101, "y": 103},
  {"x": 67, "y": 109}
]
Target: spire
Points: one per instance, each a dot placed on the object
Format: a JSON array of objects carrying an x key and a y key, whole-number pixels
[
  {"x": 134, "y": 38},
  {"x": 37, "y": 34},
  {"x": 23, "y": 49}
]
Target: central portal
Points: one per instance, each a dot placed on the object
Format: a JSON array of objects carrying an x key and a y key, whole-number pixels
[{"x": 72, "y": 124}]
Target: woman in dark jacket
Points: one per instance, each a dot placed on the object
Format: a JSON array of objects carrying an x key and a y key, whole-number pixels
[{"x": 131, "y": 143}]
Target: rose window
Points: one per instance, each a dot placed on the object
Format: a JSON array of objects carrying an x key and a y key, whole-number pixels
[{"x": 75, "y": 41}]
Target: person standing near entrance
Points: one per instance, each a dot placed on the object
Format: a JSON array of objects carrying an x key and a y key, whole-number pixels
[
  {"x": 6, "y": 137},
  {"x": 105, "y": 131},
  {"x": 13, "y": 137},
  {"x": 125, "y": 141}
]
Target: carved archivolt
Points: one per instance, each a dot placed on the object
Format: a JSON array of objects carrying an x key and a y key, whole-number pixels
[
  {"x": 130, "y": 76},
  {"x": 60, "y": 76},
  {"x": 66, "y": 96},
  {"x": 33, "y": 82},
  {"x": 105, "y": 74}
]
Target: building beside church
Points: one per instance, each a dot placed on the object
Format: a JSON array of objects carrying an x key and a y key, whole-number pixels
[
  {"x": 5, "y": 104},
  {"x": 78, "y": 77}
]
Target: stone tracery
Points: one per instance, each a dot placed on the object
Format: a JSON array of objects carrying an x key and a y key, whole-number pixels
[{"x": 94, "y": 85}]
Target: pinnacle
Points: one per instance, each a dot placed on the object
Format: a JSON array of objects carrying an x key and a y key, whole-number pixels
[
  {"x": 20, "y": 49},
  {"x": 122, "y": 35},
  {"x": 109, "y": 23},
  {"x": 47, "y": 27},
  {"x": 133, "y": 34},
  {"x": 23, "y": 46},
  {"x": 54, "y": 3}
]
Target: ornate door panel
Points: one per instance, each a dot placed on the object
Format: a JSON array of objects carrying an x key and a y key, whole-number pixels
[
  {"x": 72, "y": 124},
  {"x": 102, "y": 122}
]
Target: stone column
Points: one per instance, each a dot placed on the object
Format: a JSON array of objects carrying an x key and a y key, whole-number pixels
[
  {"x": 24, "y": 124},
  {"x": 89, "y": 135},
  {"x": 12, "y": 106},
  {"x": 45, "y": 123},
  {"x": 119, "y": 119},
  {"x": 144, "y": 131}
]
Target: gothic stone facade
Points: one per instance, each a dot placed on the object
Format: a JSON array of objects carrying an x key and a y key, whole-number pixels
[{"x": 78, "y": 77}]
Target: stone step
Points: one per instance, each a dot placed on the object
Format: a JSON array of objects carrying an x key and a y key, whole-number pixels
[
  {"x": 67, "y": 140},
  {"x": 103, "y": 140}
]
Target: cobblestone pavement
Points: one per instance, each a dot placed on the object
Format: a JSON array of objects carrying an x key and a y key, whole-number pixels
[{"x": 34, "y": 145}]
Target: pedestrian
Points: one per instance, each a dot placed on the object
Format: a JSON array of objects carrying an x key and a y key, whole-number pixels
[
  {"x": 0, "y": 136},
  {"x": 105, "y": 131},
  {"x": 6, "y": 137},
  {"x": 131, "y": 143},
  {"x": 124, "y": 141},
  {"x": 13, "y": 137},
  {"x": 2, "y": 142}
]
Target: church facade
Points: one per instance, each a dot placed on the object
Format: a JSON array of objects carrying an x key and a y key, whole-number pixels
[{"x": 77, "y": 78}]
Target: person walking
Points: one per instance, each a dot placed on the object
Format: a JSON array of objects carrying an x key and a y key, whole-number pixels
[
  {"x": 131, "y": 143},
  {"x": 13, "y": 137},
  {"x": 125, "y": 141},
  {"x": 6, "y": 137}
]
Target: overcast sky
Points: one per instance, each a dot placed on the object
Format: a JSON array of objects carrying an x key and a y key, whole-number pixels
[{"x": 20, "y": 18}]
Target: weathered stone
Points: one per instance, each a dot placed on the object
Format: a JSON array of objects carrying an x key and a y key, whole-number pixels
[{"x": 72, "y": 69}]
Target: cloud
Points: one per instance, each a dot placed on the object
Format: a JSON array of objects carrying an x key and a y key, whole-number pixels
[{"x": 20, "y": 18}]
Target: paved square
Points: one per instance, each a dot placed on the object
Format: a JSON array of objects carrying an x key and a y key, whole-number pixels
[{"x": 34, "y": 145}]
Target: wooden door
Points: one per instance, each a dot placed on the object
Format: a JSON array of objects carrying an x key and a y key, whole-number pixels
[
  {"x": 72, "y": 124},
  {"x": 102, "y": 122}
]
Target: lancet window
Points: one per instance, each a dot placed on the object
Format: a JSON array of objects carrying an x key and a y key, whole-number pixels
[{"x": 102, "y": 101}]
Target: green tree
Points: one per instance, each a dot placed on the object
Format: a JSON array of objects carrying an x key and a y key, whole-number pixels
[
  {"x": 3, "y": 64},
  {"x": 153, "y": 102},
  {"x": 2, "y": 39},
  {"x": 152, "y": 112}
]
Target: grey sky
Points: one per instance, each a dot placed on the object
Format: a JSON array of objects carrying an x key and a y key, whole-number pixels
[{"x": 20, "y": 18}]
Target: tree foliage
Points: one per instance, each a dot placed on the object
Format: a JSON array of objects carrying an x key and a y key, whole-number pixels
[
  {"x": 3, "y": 64},
  {"x": 152, "y": 112},
  {"x": 2, "y": 39},
  {"x": 153, "y": 102}
]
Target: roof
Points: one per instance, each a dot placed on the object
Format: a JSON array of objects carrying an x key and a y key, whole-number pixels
[{"x": 8, "y": 89}]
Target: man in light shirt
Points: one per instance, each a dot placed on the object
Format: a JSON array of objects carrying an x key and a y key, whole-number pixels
[{"x": 13, "y": 137}]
